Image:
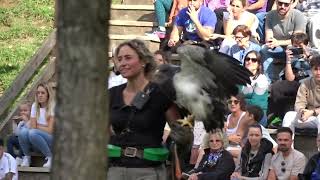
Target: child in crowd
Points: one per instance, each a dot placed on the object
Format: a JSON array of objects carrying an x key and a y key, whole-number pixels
[{"x": 20, "y": 122}]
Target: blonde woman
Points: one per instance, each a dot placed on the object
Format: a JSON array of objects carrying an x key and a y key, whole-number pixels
[
  {"x": 39, "y": 136},
  {"x": 216, "y": 162}
]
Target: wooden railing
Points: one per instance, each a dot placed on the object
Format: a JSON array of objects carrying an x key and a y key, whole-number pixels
[{"x": 34, "y": 64}]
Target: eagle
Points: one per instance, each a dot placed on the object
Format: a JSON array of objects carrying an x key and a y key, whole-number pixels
[{"x": 203, "y": 82}]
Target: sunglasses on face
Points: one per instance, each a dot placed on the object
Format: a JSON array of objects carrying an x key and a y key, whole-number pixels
[
  {"x": 283, "y": 169},
  {"x": 233, "y": 101},
  {"x": 283, "y": 4},
  {"x": 251, "y": 59},
  {"x": 233, "y": 5},
  {"x": 218, "y": 140}
]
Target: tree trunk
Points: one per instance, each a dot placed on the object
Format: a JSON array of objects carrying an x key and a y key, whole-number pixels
[{"x": 80, "y": 138}]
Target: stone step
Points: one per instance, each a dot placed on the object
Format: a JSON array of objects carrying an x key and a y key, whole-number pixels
[
  {"x": 116, "y": 39},
  {"x": 133, "y": 12},
  {"x": 130, "y": 27},
  {"x": 137, "y": 2}
]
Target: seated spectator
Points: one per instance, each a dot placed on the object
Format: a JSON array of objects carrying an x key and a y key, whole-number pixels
[
  {"x": 287, "y": 163},
  {"x": 259, "y": 8},
  {"x": 307, "y": 102},
  {"x": 297, "y": 68},
  {"x": 311, "y": 10},
  {"x": 198, "y": 134},
  {"x": 236, "y": 105},
  {"x": 8, "y": 166},
  {"x": 256, "y": 93},
  {"x": 216, "y": 163},
  {"x": 162, "y": 9},
  {"x": 115, "y": 78},
  {"x": 312, "y": 169},
  {"x": 161, "y": 57},
  {"x": 237, "y": 15},
  {"x": 253, "y": 116},
  {"x": 176, "y": 7},
  {"x": 218, "y": 7},
  {"x": 21, "y": 122},
  {"x": 280, "y": 25},
  {"x": 196, "y": 21},
  {"x": 255, "y": 156},
  {"x": 39, "y": 136},
  {"x": 242, "y": 46}
]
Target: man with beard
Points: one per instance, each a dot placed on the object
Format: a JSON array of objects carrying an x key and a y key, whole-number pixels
[
  {"x": 287, "y": 163},
  {"x": 196, "y": 21},
  {"x": 280, "y": 25}
]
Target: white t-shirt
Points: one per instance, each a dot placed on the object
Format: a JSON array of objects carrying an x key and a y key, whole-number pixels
[
  {"x": 8, "y": 164},
  {"x": 42, "y": 117}
]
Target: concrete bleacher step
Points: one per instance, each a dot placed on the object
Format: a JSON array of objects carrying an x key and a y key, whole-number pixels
[
  {"x": 137, "y": 2},
  {"x": 34, "y": 173},
  {"x": 132, "y": 12},
  {"x": 130, "y": 27},
  {"x": 116, "y": 39}
]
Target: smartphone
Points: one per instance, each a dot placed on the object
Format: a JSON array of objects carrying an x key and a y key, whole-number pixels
[{"x": 296, "y": 51}]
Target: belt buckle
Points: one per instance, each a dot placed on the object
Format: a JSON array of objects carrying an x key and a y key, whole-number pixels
[{"x": 130, "y": 151}]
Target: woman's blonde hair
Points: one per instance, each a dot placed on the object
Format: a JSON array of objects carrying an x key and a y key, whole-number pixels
[
  {"x": 222, "y": 135},
  {"x": 50, "y": 103}
]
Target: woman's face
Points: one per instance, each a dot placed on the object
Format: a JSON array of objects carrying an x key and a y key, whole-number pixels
[
  {"x": 236, "y": 7},
  {"x": 233, "y": 104},
  {"x": 129, "y": 63},
  {"x": 251, "y": 63},
  {"x": 42, "y": 95},
  {"x": 215, "y": 142},
  {"x": 241, "y": 40},
  {"x": 254, "y": 136}
]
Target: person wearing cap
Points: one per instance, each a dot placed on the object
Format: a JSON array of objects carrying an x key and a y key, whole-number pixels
[
  {"x": 280, "y": 25},
  {"x": 8, "y": 165}
]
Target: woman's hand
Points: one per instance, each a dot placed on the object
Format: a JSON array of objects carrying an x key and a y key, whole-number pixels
[
  {"x": 235, "y": 175},
  {"x": 305, "y": 114},
  {"x": 193, "y": 176},
  {"x": 235, "y": 138}
]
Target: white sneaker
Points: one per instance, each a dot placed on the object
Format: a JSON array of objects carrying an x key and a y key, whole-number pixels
[
  {"x": 48, "y": 163},
  {"x": 19, "y": 161},
  {"x": 26, "y": 161}
]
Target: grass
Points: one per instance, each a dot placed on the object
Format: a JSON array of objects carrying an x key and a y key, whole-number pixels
[{"x": 24, "y": 24}]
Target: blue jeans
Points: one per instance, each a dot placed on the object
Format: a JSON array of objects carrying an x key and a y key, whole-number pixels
[
  {"x": 12, "y": 143},
  {"x": 261, "y": 28},
  {"x": 162, "y": 9},
  {"x": 268, "y": 55},
  {"x": 36, "y": 139}
]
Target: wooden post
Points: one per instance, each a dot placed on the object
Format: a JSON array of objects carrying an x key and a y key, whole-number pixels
[{"x": 80, "y": 137}]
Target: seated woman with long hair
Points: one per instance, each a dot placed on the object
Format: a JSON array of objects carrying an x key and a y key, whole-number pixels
[
  {"x": 256, "y": 93},
  {"x": 216, "y": 162},
  {"x": 39, "y": 136},
  {"x": 255, "y": 156}
]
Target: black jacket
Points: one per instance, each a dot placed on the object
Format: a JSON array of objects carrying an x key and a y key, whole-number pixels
[{"x": 221, "y": 171}]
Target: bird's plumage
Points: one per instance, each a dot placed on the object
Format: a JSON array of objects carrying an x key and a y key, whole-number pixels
[{"x": 206, "y": 79}]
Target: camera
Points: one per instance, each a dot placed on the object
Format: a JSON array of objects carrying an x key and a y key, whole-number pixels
[{"x": 297, "y": 51}]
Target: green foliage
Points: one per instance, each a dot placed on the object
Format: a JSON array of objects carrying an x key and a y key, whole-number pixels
[{"x": 24, "y": 24}]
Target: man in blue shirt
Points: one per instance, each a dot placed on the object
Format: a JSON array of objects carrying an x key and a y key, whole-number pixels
[{"x": 196, "y": 21}]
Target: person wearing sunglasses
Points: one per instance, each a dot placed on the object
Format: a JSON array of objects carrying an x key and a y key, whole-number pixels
[
  {"x": 287, "y": 163},
  {"x": 236, "y": 105},
  {"x": 256, "y": 93},
  {"x": 280, "y": 25},
  {"x": 215, "y": 162},
  {"x": 242, "y": 36},
  {"x": 255, "y": 156}
]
